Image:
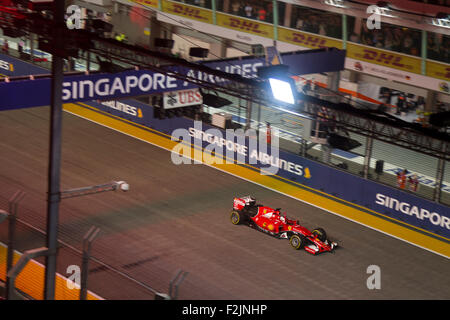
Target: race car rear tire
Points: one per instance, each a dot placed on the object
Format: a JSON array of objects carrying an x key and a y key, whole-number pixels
[
  {"x": 297, "y": 241},
  {"x": 321, "y": 234},
  {"x": 236, "y": 217}
]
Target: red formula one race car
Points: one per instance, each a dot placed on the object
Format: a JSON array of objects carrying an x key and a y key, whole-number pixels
[{"x": 271, "y": 221}]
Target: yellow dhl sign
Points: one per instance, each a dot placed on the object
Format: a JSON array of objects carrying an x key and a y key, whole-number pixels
[
  {"x": 244, "y": 25},
  {"x": 384, "y": 58},
  {"x": 187, "y": 11},
  {"x": 438, "y": 70},
  {"x": 307, "y": 40},
  {"x": 148, "y": 3}
]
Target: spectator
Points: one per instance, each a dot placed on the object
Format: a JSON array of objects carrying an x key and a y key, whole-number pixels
[
  {"x": 20, "y": 46},
  {"x": 354, "y": 38},
  {"x": 378, "y": 40},
  {"x": 262, "y": 14},
  {"x": 236, "y": 8},
  {"x": 248, "y": 11},
  {"x": 5, "y": 47},
  {"x": 413, "y": 183},
  {"x": 400, "y": 104},
  {"x": 322, "y": 30},
  {"x": 300, "y": 23},
  {"x": 408, "y": 45},
  {"x": 389, "y": 40},
  {"x": 444, "y": 50},
  {"x": 432, "y": 48},
  {"x": 268, "y": 133},
  {"x": 401, "y": 179}
]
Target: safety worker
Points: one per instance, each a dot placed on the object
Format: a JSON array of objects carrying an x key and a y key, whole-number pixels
[
  {"x": 413, "y": 183},
  {"x": 5, "y": 47},
  {"x": 269, "y": 133},
  {"x": 401, "y": 179},
  {"x": 120, "y": 37}
]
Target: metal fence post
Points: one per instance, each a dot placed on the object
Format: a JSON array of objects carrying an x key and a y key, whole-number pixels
[
  {"x": 175, "y": 283},
  {"x": 248, "y": 115},
  {"x": 18, "y": 267},
  {"x": 439, "y": 179},
  {"x": 367, "y": 156},
  {"x": 87, "y": 243}
]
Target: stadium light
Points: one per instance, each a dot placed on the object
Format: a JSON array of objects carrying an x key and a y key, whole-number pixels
[
  {"x": 282, "y": 87},
  {"x": 282, "y": 90}
]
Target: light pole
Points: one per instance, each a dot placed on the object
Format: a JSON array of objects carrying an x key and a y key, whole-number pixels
[
  {"x": 84, "y": 191},
  {"x": 54, "y": 170}
]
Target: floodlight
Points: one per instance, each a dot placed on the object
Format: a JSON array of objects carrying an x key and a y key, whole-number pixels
[{"x": 282, "y": 90}]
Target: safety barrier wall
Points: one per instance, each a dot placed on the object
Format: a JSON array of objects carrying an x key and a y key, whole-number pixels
[
  {"x": 386, "y": 202},
  {"x": 31, "y": 280},
  {"x": 14, "y": 67}
]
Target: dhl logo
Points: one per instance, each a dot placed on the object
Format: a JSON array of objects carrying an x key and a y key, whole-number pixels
[
  {"x": 445, "y": 74},
  {"x": 244, "y": 25},
  {"x": 385, "y": 58},
  {"x": 151, "y": 3},
  {"x": 308, "y": 40},
  {"x": 187, "y": 11}
]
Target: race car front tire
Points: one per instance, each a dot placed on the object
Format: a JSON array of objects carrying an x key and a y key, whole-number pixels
[
  {"x": 297, "y": 241},
  {"x": 321, "y": 234},
  {"x": 236, "y": 217}
]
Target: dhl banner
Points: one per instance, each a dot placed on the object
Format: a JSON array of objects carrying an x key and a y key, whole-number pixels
[
  {"x": 438, "y": 70},
  {"x": 307, "y": 40},
  {"x": 187, "y": 11},
  {"x": 148, "y": 3},
  {"x": 384, "y": 58},
  {"x": 245, "y": 25}
]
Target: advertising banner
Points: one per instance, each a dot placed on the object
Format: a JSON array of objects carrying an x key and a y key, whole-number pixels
[
  {"x": 307, "y": 40},
  {"x": 414, "y": 79},
  {"x": 148, "y": 3},
  {"x": 246, "y": 25},
  {"x": 246, "y": 67},
  {"x": 187, "y": 11},
  {"x": 384, "y": 58},
  {"x": 11, "y": 67},
  {"x": 299, "y": 62},
  {"x": 182, "y": 98},
  {"x": 438, "y": 70},
  {"x": 88, "y": 87}
]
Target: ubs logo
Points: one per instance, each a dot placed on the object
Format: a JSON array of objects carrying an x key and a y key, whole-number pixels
[
  {"x": 245, "y": 25},
  {"x": 188, "y": 12}
]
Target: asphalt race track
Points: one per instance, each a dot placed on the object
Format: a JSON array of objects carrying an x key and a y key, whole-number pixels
[{"x": 177, "y": 217}]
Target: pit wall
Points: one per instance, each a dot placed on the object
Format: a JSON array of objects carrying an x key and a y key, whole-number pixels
[{"x": 400, "y": 214}]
